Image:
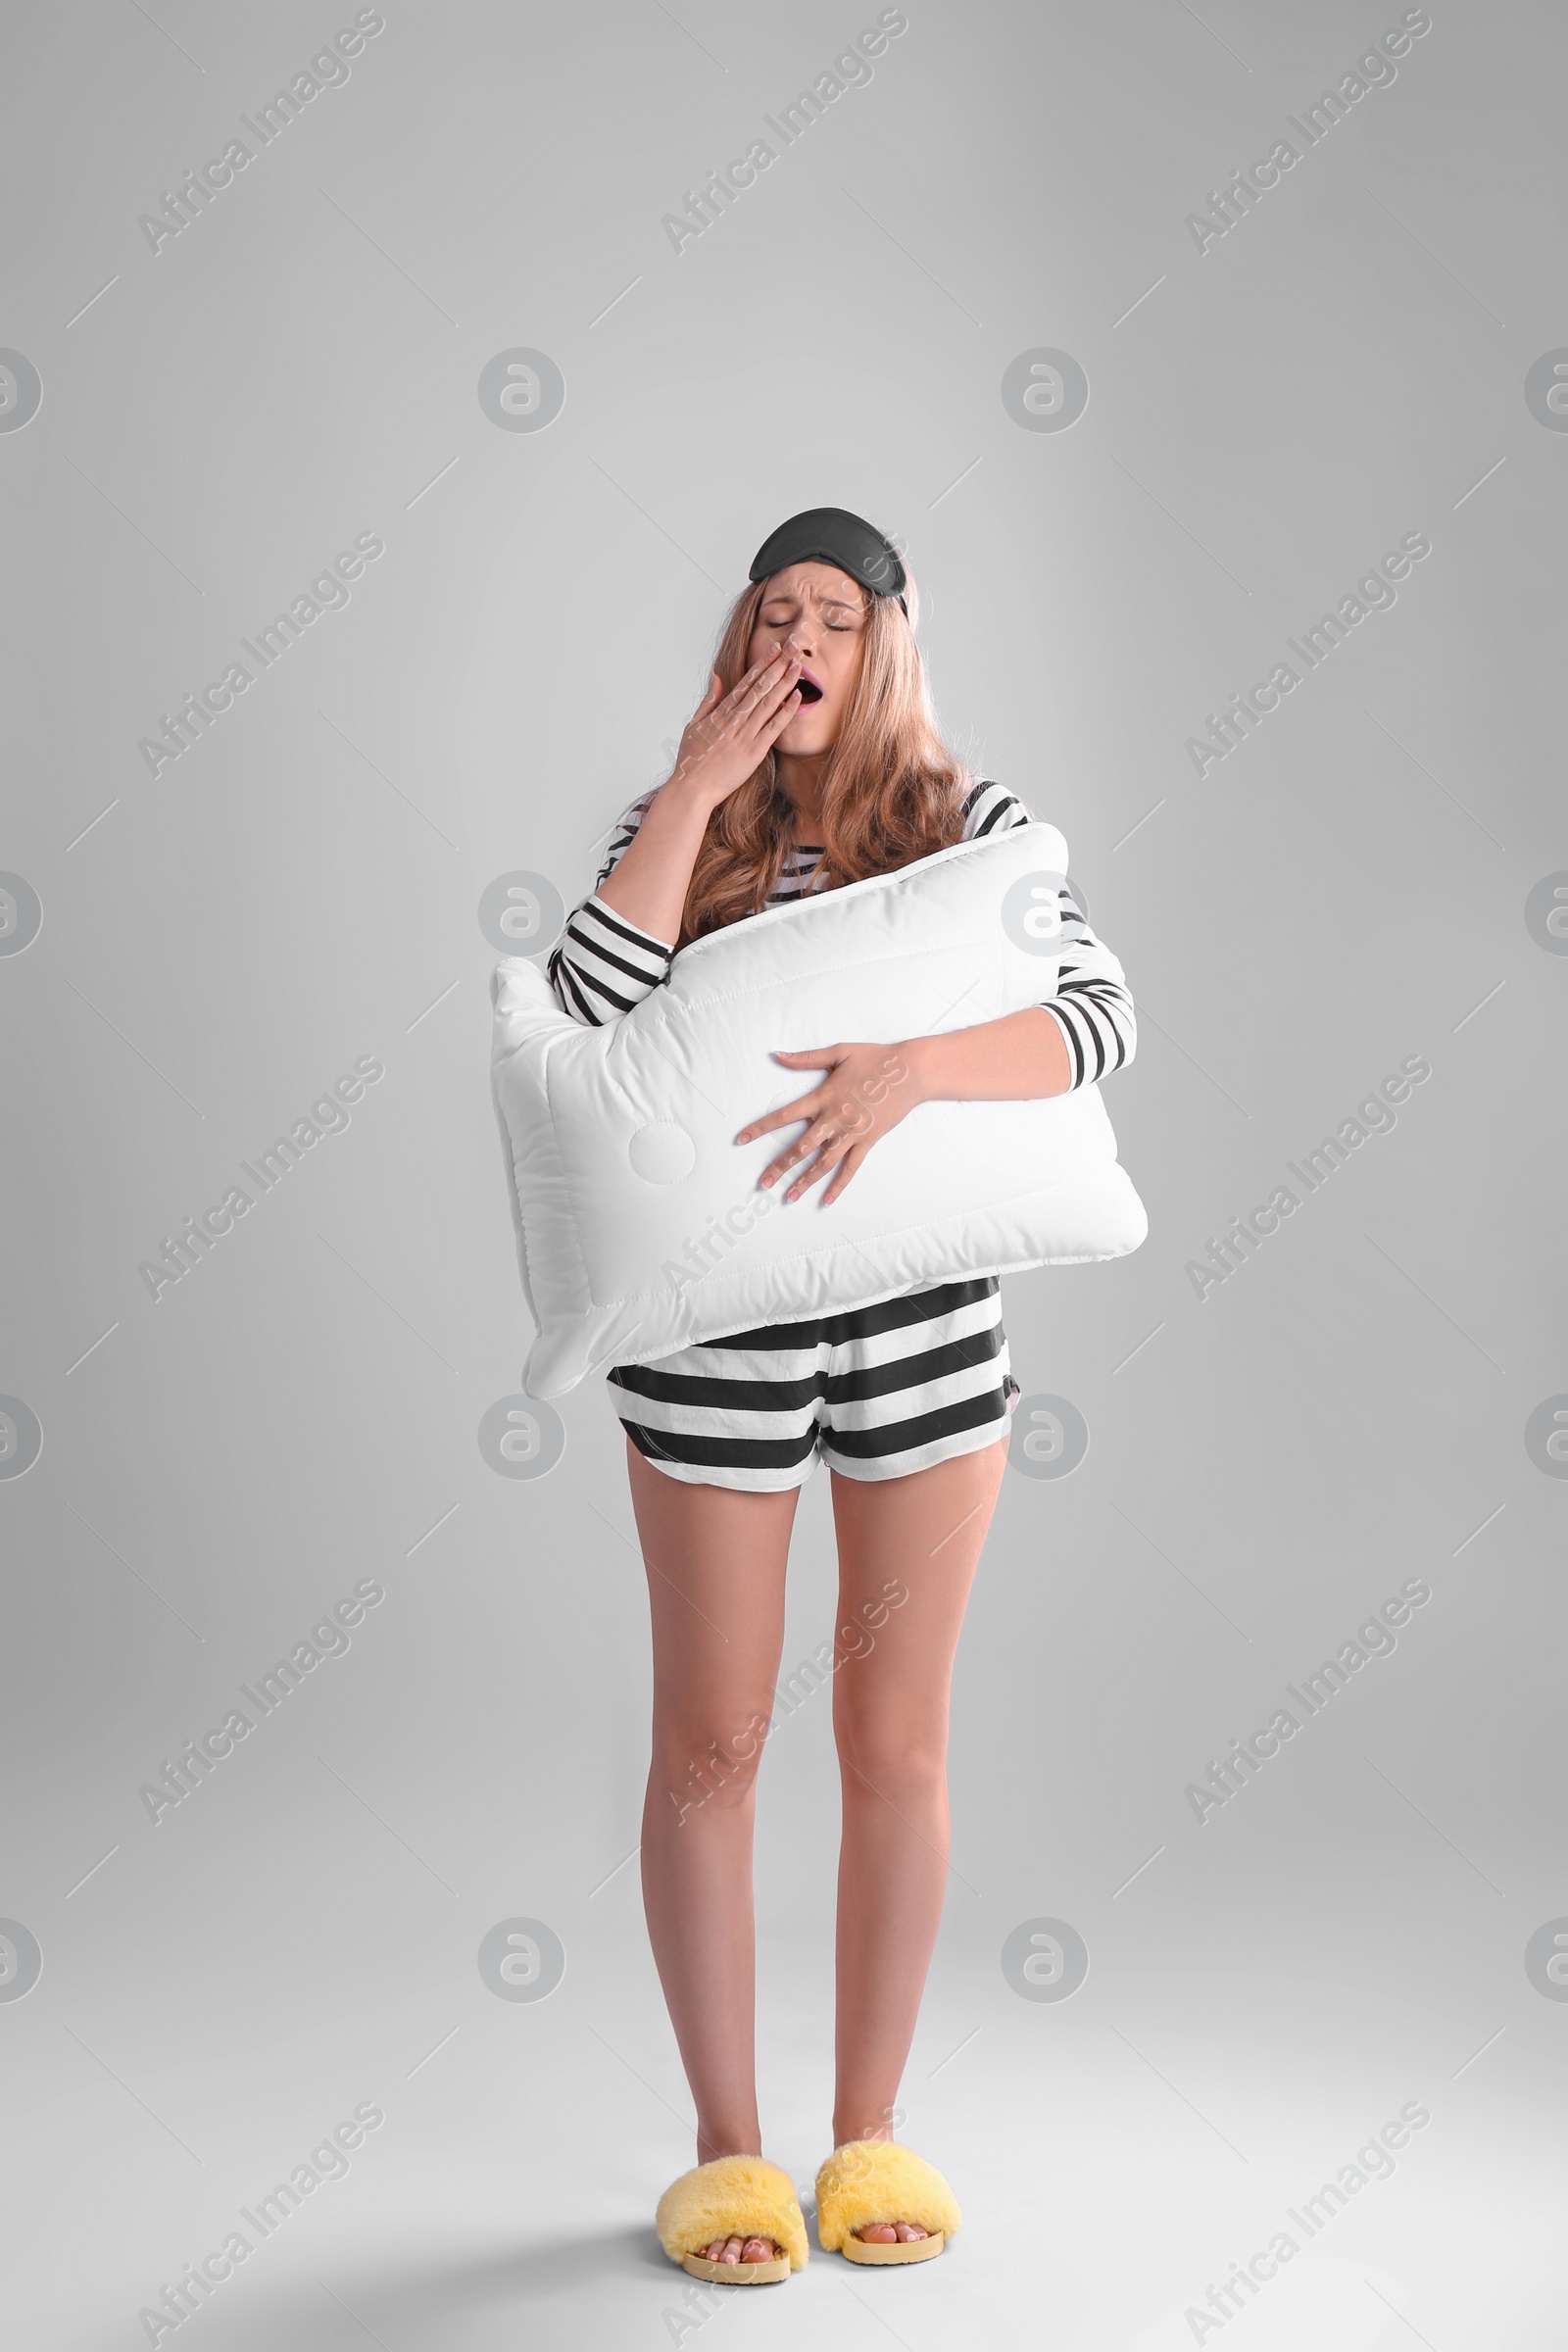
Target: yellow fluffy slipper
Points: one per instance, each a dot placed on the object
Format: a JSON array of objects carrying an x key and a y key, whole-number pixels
[
  {"x": 869, "y": 2180},
  {"x": 733, "y": 2196}
]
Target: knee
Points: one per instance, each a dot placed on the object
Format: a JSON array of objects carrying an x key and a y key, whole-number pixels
[
  {"x": 702, "y": 1766},
  {"x": 890, "y": 1748}
]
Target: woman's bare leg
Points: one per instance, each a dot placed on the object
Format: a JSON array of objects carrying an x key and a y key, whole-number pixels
[
  {"x": 716, "y": 1579},
  {"x": 920, "y": 1537}
]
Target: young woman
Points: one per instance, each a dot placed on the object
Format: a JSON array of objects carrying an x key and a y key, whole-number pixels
[{"x": 815, "y": 758}]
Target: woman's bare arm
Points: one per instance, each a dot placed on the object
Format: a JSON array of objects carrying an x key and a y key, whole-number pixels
[
  {"x": 653, "y": 873},
  {"x": 726, "y": 741},
  {"x": 1018, "y": 1059}
]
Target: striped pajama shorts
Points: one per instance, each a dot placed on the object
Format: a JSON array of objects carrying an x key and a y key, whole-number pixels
[{"x": 875, "y": 1392}]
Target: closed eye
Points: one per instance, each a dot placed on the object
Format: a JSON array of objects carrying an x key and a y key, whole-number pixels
[{"x": 782, "y": 620}]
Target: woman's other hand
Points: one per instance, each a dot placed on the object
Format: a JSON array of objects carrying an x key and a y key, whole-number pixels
[{"x": 868, "y": 1090}]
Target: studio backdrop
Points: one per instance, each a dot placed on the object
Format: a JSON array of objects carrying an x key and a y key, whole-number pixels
[{"x": 390, "y": 403}]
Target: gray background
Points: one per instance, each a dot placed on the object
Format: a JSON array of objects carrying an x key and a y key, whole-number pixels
[{"x": 301, "y": 889}]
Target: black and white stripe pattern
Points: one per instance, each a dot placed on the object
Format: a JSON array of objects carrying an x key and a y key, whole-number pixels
[
  {"x": 604, "y": 965},
  {"x": 876, "y": 1392}
]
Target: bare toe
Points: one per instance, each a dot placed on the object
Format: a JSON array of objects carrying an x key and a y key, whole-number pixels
[
  {"x": 877, "y": 2233},
  {"x": 908, "y": 2231},
  {"x": 758, "y": 2249}
]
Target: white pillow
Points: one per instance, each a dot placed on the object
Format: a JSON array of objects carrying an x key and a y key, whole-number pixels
[{"x": 641, "y": 1225}]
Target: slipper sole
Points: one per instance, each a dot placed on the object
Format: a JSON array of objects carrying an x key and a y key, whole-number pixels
[
  {"x": 908, "y": 2249},
  {"x": 737, "y": 2274}
]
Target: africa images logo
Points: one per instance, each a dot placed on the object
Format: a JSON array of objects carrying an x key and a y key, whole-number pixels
[{"x": 21, "y": 391}]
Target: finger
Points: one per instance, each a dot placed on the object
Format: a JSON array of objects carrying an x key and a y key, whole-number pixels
[
  {"x": 718, "y": 708},
  {"x": 773, "y": 1118},
  {"x": 743, "y": 684},
  {"x": 777, "y": 719},
  {"x": 832, "y": 1153},
  {"x": 823, "y": 1140},
  {"x": 775, "y": 694},
  {"x": 790, "y": 1193},
  {"x": 847, "y": 1167},
  {"x": 823, "y": 1119},
  {"x": 767, "y": 679},
  {"x": 772, "y": 697},
  {"x": 815, "y": 1057},
  {"x": 791, "y": 1158},
  {"x": 799, "y": 1150}
]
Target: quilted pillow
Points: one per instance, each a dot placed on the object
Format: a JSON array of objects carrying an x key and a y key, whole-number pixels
[{"x": 641, "y": 1224}]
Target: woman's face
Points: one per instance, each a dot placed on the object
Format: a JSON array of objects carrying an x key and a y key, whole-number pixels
[{"x": 819, "y": 613}]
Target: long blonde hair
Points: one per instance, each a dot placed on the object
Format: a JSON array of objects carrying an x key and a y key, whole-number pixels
[{"x": 891, "y": 789}]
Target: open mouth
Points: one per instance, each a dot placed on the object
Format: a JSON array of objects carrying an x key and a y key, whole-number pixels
[{"x": 810, "y": 690}]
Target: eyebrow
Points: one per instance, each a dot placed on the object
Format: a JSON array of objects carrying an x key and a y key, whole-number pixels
[{"x": 834, "y": 604}]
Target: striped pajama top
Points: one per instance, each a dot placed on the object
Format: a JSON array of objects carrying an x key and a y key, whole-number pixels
[
  {"x": 886, "y": 1388},
  {"x": 603, "y": 965}
]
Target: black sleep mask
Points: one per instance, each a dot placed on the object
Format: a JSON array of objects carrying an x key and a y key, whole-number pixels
[{"x": 831, "y": 535}]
